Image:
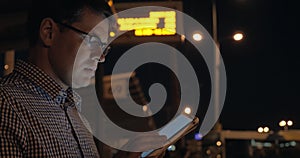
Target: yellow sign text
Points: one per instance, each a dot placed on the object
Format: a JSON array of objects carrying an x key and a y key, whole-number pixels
[{"x": 148, "y": 26}]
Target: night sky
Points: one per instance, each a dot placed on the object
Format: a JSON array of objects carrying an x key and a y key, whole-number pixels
[{"x": 262, "y": 70}]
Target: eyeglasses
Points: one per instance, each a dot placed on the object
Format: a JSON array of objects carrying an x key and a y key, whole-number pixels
[{"x": 92, "y": 41}]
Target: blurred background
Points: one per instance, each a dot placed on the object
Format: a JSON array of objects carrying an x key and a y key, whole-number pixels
[{"x": 260, "y": 117}]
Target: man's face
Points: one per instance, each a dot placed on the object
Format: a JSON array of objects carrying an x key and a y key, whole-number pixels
[{"x": 76, "y": 56}]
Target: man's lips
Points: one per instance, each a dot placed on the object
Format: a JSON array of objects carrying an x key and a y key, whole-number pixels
[{"x": 91, "y": 68}]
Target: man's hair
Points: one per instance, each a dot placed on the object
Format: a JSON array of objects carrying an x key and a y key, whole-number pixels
[{"x": 67, "y": 11}]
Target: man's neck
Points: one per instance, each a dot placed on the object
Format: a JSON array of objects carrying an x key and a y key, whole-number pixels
[{"x": 39, "y": 57}]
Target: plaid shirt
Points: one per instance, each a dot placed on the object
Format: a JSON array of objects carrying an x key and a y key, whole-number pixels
[{"x": 40, "y": 119}]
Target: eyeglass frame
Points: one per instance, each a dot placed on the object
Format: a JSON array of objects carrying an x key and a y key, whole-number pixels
[{"x": 102, "y": 45}]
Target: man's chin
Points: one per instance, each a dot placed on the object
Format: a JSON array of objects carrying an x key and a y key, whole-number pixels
[{"x": 81, "y": 84}]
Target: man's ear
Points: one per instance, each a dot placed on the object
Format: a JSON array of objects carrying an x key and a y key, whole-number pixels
[{"x": 48, "y": 30}]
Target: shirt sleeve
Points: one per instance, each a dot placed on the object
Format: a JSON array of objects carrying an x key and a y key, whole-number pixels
[{"x": 11, "y": 131}]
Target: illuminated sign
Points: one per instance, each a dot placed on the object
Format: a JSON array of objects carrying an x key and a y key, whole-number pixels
[{"x": 157, "y": 23}]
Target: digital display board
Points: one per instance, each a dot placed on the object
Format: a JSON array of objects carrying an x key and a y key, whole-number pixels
[{"x": 157, "y": 23}]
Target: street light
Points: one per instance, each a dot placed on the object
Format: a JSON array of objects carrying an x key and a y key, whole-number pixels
[
  {"x": 285, "y": 124},
  {"x": 290, "y": 123},
  {"x": 187, "y": 110},
  {"x": 197, "y": 37},
  {"x": 218, "y": 143},
  {"x": 238, "y": 36},
  {"x": 263, "y": 130},
  {"x": 282, "y": 123},
  {"x": 266, "y": 129},
  {"x": 260, "y": 129},
  {"x": 216, "y": 82}
]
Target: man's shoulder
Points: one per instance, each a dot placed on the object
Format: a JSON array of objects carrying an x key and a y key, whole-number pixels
[
  {"x": 13, "y": 89},
  {"x": 10, "y": 83}
]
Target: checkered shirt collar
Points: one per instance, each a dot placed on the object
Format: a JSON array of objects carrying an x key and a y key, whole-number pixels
[{"x": 45, "y": 82}]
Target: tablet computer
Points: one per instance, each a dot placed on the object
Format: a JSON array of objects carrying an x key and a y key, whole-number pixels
[{"x": 174, "y": 130}]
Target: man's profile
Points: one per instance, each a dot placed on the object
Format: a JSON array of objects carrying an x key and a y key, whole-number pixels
[{"x": 38, "y": 106}]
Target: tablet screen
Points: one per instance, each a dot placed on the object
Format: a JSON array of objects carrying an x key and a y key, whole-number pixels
[
  {"x": 175, "y": 126},
  {"x": 172, "y": 128}
]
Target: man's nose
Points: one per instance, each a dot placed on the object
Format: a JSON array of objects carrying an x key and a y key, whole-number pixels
[{"x": 96, "y": 55}]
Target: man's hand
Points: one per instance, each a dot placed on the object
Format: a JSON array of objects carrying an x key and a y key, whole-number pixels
[{"x": 143, "y": 142}]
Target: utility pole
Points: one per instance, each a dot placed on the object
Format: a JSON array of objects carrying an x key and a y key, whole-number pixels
[{"x": 216, "y": 81}]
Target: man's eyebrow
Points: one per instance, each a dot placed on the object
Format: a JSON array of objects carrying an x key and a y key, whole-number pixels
[
  {"x": 101, "y": 31},
  {"x": 102, "y": 28}
]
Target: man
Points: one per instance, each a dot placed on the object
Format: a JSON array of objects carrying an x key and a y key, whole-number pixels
[{"x": 39, "y": 116}]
